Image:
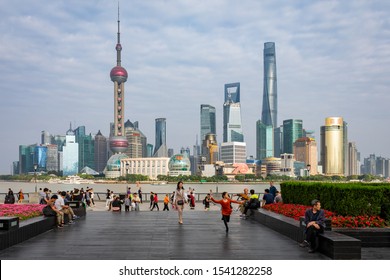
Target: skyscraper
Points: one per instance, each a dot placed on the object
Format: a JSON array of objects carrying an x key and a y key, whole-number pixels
[
  {"x": 118, "y": 74},
  {"x": 332, "y": 146},
  {"x": 136, "y": 139},
  {"x": 207, "y": 120},
  {"x": 160, "y": 148},
  {"x": 305, "y": 150},
  {"x": 270, "y": 105},
  {"x": 292, "y": 130},
  {"x": 86, "y": 148},
  {"x": 264, "y": 140},
  {"x": 100, "y": 152},
  {"x": 70, "y": 160},
  {"x": 232, "y": 126},
  {"x": 269, "y": 114}
]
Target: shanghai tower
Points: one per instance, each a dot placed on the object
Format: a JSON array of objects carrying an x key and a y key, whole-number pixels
[{"x": 269, "y": 114}]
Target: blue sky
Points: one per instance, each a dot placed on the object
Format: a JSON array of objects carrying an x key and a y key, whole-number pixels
[{"x": 333, "y": 59}]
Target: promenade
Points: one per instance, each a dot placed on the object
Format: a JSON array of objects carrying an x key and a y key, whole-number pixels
[{"x": 146, "y": 235}]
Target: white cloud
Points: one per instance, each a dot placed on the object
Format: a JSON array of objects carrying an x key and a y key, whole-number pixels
[{"x": 55, "y": 58}]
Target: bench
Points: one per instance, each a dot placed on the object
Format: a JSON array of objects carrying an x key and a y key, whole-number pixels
[
  {"x": 332, "y": 244},
  {"x": 336, "y": 245}
]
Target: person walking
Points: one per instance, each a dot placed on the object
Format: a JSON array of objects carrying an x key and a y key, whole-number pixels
[
  {"x": 139, "y": 192},
  {"x": 155, "y": 202},
  {"x": 166, "y": 202},
  {"x": 20, "y": 196},
  {"x": 179, "y": 199},
  {"x": 151, "y": 199},
  {"x": 226, "y": 207}
]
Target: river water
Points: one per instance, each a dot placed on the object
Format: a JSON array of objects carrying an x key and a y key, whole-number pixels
[{"x": 200, "y": 188}]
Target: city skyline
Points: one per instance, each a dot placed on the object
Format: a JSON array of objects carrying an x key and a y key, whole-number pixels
[{"x": 54, "y": 59}]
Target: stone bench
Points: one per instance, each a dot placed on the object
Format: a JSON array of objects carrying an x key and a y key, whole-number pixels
[
  {"x": 31, "y": 228},
  {"x": 331, "y": 244}
]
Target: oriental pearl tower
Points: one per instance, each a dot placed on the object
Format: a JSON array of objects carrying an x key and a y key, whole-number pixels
[{"x": 118, "y": 74}]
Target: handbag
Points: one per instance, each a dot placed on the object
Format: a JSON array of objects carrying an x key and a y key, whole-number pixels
[{"x": 180, "y": 202}]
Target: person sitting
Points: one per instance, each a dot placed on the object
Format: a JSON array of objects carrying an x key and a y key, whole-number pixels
[
  {"x": 50, "y": 210},
  {"x": 244, "y": 197},
  {"x": 117, "y": 205},
  {"x": 267, "y": 198},
  {"x": 65, "y": 209},
  {"x": 315, "y": 224},
  {"x": 278, "y": 197},
  {"x": 252, "y": 203}
]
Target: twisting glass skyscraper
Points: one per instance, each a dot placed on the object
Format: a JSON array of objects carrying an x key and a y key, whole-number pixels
[
  {"x": 232, "y": 126},
  {"x": 269, "y": 114}
]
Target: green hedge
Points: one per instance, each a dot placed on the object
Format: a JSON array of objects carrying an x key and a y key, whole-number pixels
[{"x": 343, "y": 198}]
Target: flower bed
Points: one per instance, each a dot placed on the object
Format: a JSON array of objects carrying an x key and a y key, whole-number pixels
[
  {"x": 296, "y": 211},
  {"x": 23, "y": 211}
]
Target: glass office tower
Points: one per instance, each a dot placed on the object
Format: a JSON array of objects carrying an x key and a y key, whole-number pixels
[
  {"x": 160, "y": 149},
  {"x": 232, "y": 127},
  {"x": 264, "y": 140},
  {"x": 270, "y": 92},
  {"x": 292, "y": 130},
  {"x": 207, "y": 120}
]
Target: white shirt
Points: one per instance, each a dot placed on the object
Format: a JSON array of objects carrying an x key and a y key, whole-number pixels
[{"x": 59, "y": 203}]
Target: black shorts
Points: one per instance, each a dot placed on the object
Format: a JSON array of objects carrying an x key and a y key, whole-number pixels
[{"x": 226, "y": 218}]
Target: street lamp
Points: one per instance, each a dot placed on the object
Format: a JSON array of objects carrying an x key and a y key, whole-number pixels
[
  {"x": 35, "y": 175},
  {"x": 308, "y": 169}
]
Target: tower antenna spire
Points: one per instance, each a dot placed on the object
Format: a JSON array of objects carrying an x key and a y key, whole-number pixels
[{"x": 118, "y": 45}]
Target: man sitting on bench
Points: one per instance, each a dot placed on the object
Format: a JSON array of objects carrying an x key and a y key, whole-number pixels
[
  {"x": 315, "y": 224},
  {"x": 253, "y": 203}
]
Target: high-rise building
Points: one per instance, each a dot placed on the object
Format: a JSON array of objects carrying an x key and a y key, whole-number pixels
[
  {"x": 264, "y": 140},
  {"x": 86, "y": 148},
  {"x": 270, "y": 94},
  {"x": 292, "y": 130},
  {"x": 207, "y": 120},
  {"x": 353, "y": 162},
  {"x": 305, "y": 150},
  {"x": 278, "y": 141},
  {"x": 160, "y": 148},
  {"x": 149, "y": 150},
  {"x": 70, "y": 155},
  {"x": 100, "y": 152},
  {"x": 46, "y": 138},
  {"x": 345, "y": 148},
  {"x": 40, "y": 157},
  {"x": 136, "y": 139},
  {"x": 210, "y": 149},
  {"x": 233, "y": 152},
  {"x": 26, "y": 158},
  {"x": 52, "y": 158},
  {"x": 232, "y": 126},
  {"x": 332, "y": 146}
]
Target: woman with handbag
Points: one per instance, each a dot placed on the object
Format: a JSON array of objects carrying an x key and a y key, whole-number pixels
[{"x": 179, "y": 199}]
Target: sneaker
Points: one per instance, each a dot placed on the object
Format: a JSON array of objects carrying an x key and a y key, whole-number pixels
[
  {"x": 70, "y": 222},
  {"x": 304, "y": 244},
  {"x": 311, "y": 250},
  {"x": 75, "y": 217},
  {"x": 60, "y": 226}
]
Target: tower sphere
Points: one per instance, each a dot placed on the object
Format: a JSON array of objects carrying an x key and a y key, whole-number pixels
[
  {"x": 118, "y": 74},
  {"x": 118, "y": 144}
]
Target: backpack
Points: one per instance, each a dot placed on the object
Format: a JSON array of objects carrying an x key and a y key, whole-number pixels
[{"x": 48, "y": 212}]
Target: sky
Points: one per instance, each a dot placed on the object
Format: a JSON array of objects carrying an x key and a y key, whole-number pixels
[{"x": 333, "y": 59}]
